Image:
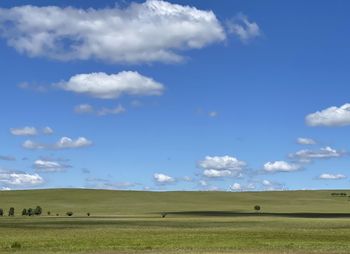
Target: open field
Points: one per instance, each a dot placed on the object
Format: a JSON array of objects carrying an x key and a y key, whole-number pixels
[{"x": 197, "y": 222}]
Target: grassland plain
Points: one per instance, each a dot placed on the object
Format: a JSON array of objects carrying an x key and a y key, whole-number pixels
[{"x": 196, "y": 222}]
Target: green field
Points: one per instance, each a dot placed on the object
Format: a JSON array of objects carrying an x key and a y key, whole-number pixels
[{"x": 196, "y": 222}]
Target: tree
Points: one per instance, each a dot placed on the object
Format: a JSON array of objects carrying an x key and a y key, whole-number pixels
[
  {"x": 257, "y": 208},
  {"x": 24, "y": 212},
  {"x": 30, "y": 212},
  {"x": 88, "y": 214},
  {"x": 1, "y": 212},
  {"x": 69, "y": 213},
  {"x": 12, "y": 211},
  {"x": 48, "y": 213},
  {"x": 38, "y": 210}
]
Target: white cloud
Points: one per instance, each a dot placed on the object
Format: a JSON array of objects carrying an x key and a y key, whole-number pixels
[
  {"x": 280, "y": 166},
  {"x": 49, "y": 166},
  {"x": 306, "y": 141},
  {"x": 5, "y": 189},
  {"x": 236, "y": 187},
  {"x": 83, "y": 108},
  {"x": 7, "y": 158},
  {"x": 104, "y": 86},
  {"x": 326, "y": 176},
  {"x": 332, "y": 116},
  {"x": 147, "y": 32},
  {"x": 223, "y": 166},
  {"x": 66, "y": 142},
  {"x": 162, "y": 178},
  {"x": 63, "y": 143},
  {"x": 244, "y": 29},
  {"x": 20, "y": 178},
  {"x": 323, "y": 153},
  {"x": 47, "y": 130},
  {"x": 111, "y": 111},
  {"x": 25, "y": 131}
]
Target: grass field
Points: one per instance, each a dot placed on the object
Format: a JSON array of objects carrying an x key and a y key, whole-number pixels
[{"x": 196, "y": 222}]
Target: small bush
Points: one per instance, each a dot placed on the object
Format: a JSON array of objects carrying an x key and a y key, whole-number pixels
[
  {"x": 16, "y": 245},
  {"x": 257, "y": 208},
  {"x": 164, "y": 215},
  {"x": 88, "y": 214},
  {"x": 57, "y": 214},
  {"x": 30, "y": 212},
  {"x": 24, "y": 212},
  {"x": 12, "y": 211},
  {"x": 48, "y": 213},
  {"x": 1, "y": 212},
  {"x": 69, "y": 213}
]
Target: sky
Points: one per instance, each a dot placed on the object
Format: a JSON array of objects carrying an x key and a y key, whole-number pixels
[{"x": 175, "y": 95}]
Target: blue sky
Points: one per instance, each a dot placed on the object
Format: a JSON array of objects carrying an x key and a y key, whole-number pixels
[{"x": 176, "y": 95}]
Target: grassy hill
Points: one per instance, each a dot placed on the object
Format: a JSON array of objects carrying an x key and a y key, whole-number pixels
[{"x": 108, "y": 202}]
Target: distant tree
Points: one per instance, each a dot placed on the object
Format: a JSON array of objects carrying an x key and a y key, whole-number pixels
[
  {"x": 69, "y": 213},
  {"x": 57, "y": 214},
  {"x": 257, "y": 208},
  {"x": 38, "y": 210},
  {"x": 163, "y": 215},
  {"x": 1, "y": 212},
  {"x": 12, "y": 211},
  {"x": 24, "y": 212},
  {"x": 30, "y": 212},
  {"x": 48, "y": 213},
  {"x": 88, "y": 214}
]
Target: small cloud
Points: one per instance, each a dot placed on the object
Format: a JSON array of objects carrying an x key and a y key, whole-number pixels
[
  {"x": 306, "y": 141},
  {"x": 47, "y": 130},
  {"x": 213, "y": 114},
  {"x": 136, "y": 103},
  {"x": 323, "y": 153},
  {"x": 163, "y": 179},
  {"x": 83, "y": 109},
  {"x": 85, "y": 171},
  {"x": 243, "y": 28},
  {"x": 47, "y": 166},
  {"x": 20, "y": 179},
  {"x": 63, "y": 143},
  {"x": 280, "y": 166},
  {"x": 221, "y": 166},
  {"x": 7, "y": 158},
  {"x": 327, "y": 176},
  {"x": 330, "y": 117},
  {"x": 111, "y": 111},
  {"x": 25, "y": 131},
  {"x": 33, "y": 87},
  {"x": 236, "y": 187}
]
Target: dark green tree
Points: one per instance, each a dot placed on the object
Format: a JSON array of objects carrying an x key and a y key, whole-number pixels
[
  {"x": 257, "y": 208},
  {"x": 30, "y": 212},
  {"x": 69, "y": 213},
  {"x": 1, "y": 212},
  {"x": 38, "y": 210},
  {"x": 24, "y": 212},
  {"x": 12, "y": 211}
]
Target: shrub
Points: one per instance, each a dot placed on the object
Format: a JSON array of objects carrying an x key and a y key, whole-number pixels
[
  {"x": 257, "y": 208},
  {"x": 30, "y": 212},
  {"x": 88, "y": 214},
  {"x": 24, "y": 212},
  {"x": 48, "y": 213},
  {"x": 1, "y": 212},
  {"x": 57, "y": 214},
  {"x": 12, "y": 211},
  {"x": 38, "y": 210},
  {"x": 69, "y": 213},
  {"x": 16, "y": 245},
  {"x": 163, "y": 215}
]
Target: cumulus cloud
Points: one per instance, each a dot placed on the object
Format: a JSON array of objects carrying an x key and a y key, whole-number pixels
[
  {"x": 244, "y": 29},
  {"x": 25, "y": 131},
  {"x": 66, "y": 142},
  {"x": 162, "y": 178},
  {"x": 104, "y": 86},
  {"x": 88, "y": 109},
  {"x": 323, "y": 153},
  {"x": 223, "y": 166},
  {"x": 327, "y": 176},
  {"x": 20, "y": 179},
  {"x": 143, "y": 32},
  {"x": 48, "y": 166},
  {"x": 63, "y": 143},
  {"x": 280, "y": 166},
  {"x": 333, "y": 116},
  {"x": 306, "y": 141},
  {"x": 236, "y": 187}
]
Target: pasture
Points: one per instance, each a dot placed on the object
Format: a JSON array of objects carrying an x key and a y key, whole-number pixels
[{"x": 195, "y": 222}]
